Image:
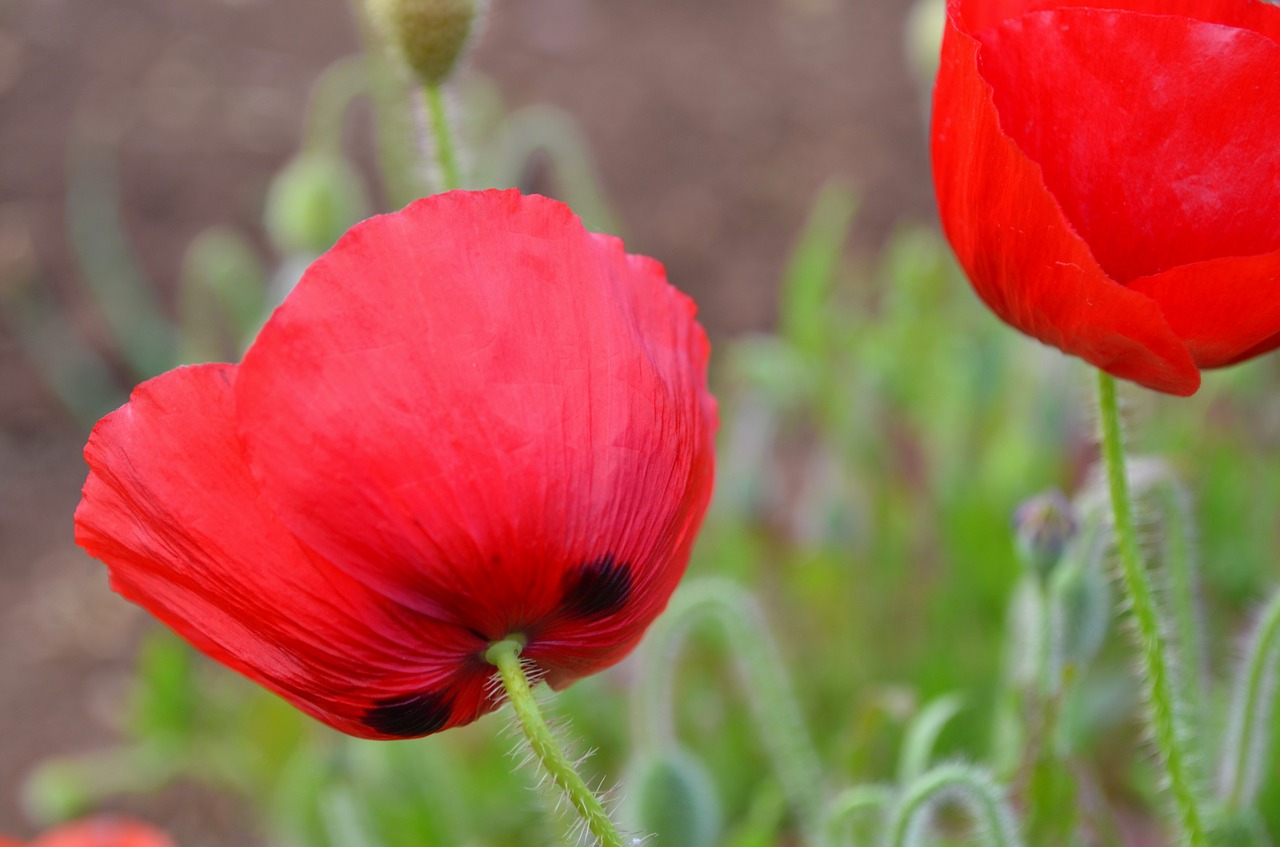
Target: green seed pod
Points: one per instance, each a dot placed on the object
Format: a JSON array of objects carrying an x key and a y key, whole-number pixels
[
  {"x": 429, "y": 35},
  {"x": 674, "y": 798},
  {"x": 312, "y": 201}
]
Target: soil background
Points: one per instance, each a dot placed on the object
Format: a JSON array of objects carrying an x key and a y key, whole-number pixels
[{"x": 713, "y": 123}]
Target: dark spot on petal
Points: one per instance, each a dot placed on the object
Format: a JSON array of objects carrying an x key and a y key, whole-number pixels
[
  {"x": 598, "y": 588},
  {"x": 410, "y": 716}
]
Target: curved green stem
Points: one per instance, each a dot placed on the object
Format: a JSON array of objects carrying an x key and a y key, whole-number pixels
[
  {"x": 331, "y": 94},
  {"x": 777, "y": 714},
  {"x": 1155, "y": 653},
  {"x": 1183, "y": 578},
  {"x": 505, "y": 655},
  {"x": 852, "y": 802},
  {"x": 1248, "y": 728},
  {"x": 442, "y": 134},
  {"x": 974, "y": 788},
  {"x": 394, "y": 132},
  {"x": 552, "y": 131}
]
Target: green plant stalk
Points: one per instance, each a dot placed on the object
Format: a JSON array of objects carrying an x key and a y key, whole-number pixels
[
  {"x": 442, "y": 134},
  {"x": 1018, "y": 678},
  {"x": 1155, "y": 653},
  {"x": 922, "y": 735},
  {"x": 1247, "y": 728},
  {"x": 781, "y": 725},
  {"x": 505, "y": 656},
  {"x": 852, "y": 802},
  {"x": 394, "y": 138},
  {"x": 981, "y": 795},
  {"x": 1052, "y": 810},
  {"x": 1181, "y": 576},
  {"x": 120, "y": 288},
  {"x": 1052, "y": 806},
  {"x": 332, "y": 93},
  {"x": 553, "y": 132}
]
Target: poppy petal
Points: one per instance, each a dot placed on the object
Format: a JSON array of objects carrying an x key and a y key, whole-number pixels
[
  {"x": 170, "y": 506},
  {"x": 1202, "y": 303},
  {"x": 1260, "y": 17},
  {"x": 102, "y": 832},
  {"x": 1190, "y": 107},
  {"x": 472, "y": 404},
  {"x": 1023, "y": 256}
]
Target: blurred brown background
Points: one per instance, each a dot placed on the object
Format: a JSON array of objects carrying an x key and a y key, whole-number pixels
[{"x": 713, "y": 124}]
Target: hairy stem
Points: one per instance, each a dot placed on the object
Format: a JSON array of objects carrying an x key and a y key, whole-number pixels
[
  {"x": 1252, "y": 705},
  {"x": 505, "y": 655},
  {"x": 974, "y": 788},
  {"x": 781, "y": 724},
  {"x": 1154, "y": 651}
]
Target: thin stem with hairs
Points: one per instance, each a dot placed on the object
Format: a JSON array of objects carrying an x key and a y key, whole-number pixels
[
  {"x": 505, "y": 656},
  {"x": 1155, "y": 653}
]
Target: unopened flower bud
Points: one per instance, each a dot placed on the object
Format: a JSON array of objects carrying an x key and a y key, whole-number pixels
[
  {"x": 1043, "y": 525},
  {"x": 429, "y": 35},
  {"x": 674, "y": 798},
  {"x": 313, "y": 200}
]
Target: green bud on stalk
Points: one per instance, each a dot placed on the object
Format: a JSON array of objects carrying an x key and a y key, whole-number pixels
[
  {"x": 1043, "y": 526},
  {"x": 674, "y": 798},
  {"x": 430, "y": 36},
  {"x": 312, "y": 201}
]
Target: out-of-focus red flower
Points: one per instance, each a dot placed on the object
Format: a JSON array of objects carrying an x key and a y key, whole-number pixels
[
  {"x": 471, "y": 419},
  {"x": 98, "y": 832},
  {"x": 1108, "y": 173}
]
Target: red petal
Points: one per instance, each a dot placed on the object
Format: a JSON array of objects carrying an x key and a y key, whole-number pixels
[
  {"x": 478, "y": 408},
  {"x": 974, "y": 16},
  {"x": 1155, "y": 134},
  {"x": 1024, "y": 258},
  {"x": 171, "y": 508},
  {"x": 103, "y": 832},
  {"x": 1227, "y": 310}
]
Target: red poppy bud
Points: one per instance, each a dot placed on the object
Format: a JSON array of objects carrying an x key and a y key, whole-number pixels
[
  {"x": 471, "y": 419},
  {"x": 99, "y": 832},
  {"x": 1108, "y": 177}
]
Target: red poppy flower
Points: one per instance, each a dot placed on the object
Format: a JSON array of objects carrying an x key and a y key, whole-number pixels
[
  {"x": 1109, "y": 175},
  {"x": 470, "y": 419},
  {"x": 98, "y": 832}
]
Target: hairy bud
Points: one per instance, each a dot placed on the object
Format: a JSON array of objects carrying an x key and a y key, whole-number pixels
[
  {"x": 1043, "y": 526},
  {"x": 312, "y": 201},
  {"x": 429, "y": 35},
  {"x": 674, "y": 798}
]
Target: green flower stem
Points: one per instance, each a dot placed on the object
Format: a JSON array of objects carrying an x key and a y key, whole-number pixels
[
  {"x": 1155, "y": 653},
  {"x": 852, "y": 802},
  {"x": 442, "y": 133},
  {"x": 331, "y": 94},
  {"x": 397, "y": 157},
  {"x": 1182, "y": 577},
  {"x": 973, "y": 787},
  {"x": 1250, "y": 721},
  {"x": 777, "y": 714},
  {"x": 505, "y": 655}
]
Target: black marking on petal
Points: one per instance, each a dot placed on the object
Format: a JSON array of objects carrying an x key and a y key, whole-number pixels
[
  {"x": 410, "y": 716},
  {"x": 597, "y": 588}
]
